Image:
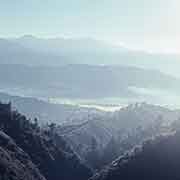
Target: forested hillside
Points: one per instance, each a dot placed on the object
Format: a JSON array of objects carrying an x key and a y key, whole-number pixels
[
  {"x": 15, "y": 164},
  {"x": 45, "y": 153},
  {"x": 102, "y": 138},
  {"x": 156, "y": 160},
  {"x": 48, "y": 151}
]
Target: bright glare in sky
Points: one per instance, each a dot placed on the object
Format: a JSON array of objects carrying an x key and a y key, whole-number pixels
[{"x": 150, "y": 25}]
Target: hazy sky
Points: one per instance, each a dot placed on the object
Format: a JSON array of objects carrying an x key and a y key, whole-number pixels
[{"x": 144, "y": 24}]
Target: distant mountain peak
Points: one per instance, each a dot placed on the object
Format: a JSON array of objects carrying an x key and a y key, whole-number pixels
[{"x": 28, "y": 37}]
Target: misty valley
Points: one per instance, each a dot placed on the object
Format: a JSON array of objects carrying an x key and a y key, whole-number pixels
[{"x": 90, "y": 111}]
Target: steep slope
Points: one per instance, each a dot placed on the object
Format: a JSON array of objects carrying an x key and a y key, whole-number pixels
[
  {"x": 49, "y": 152},
  {"x": 114, "y": 133},
  {"x": 15, "y": 164},
  {"x": 157, "y": 160}
]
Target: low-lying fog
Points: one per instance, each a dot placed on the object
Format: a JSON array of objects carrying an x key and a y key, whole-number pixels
[{"x": 152, "y": 96}]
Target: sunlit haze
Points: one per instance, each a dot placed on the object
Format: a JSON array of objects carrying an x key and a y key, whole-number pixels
[
  {"x": 151, "y": 25},
  {"x": 89, "y": 89}
]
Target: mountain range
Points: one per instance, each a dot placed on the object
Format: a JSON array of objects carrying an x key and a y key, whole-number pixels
[
  {"x": 30, "y": 50},
  {"x": 84, "y": 81},
  {"x": 28, "y": 151}
]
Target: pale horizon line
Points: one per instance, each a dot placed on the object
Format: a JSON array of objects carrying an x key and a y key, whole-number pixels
[{"x": 119, "y": 44}]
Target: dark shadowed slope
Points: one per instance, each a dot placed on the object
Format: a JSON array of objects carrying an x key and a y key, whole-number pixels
[
  {"x": 15, "y": 164},
  {"x": 55, "y": 160},
  {"x": 158, "y": 159}
]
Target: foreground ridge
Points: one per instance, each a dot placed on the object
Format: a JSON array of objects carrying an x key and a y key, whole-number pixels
[{"x": 157, "y": 159}]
